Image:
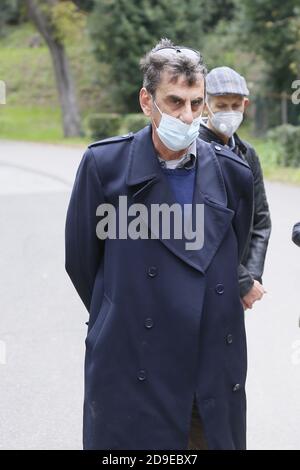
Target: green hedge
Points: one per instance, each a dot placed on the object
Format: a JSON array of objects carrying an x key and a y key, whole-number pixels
[
  {"x": 287, "y": 138},
  {"x": 135, "y": 122},
  {"x": 103, "y": 125}
]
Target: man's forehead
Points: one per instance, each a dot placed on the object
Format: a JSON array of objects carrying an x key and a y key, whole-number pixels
[{"x": 169, "y": 85}]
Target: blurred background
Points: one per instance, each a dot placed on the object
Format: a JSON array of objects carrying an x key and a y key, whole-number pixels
[
  {"x": 71, "y": 67},
  {"x": 71, "y": 75}
]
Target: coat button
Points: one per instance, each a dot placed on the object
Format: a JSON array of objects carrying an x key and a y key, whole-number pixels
[
  {"x": 229, "y": 339},
  {"x": 217, "y": 147},
  {"x": 152, "y": 271},
  {"x": 142, "y": 375},
  {"x": 236, "y": 387},
  {"x": 148, "y": 323},
  {"x": 220, "y": 289}
]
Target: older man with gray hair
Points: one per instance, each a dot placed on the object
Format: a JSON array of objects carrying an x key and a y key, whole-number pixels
[{"x": 165, "y": 363}]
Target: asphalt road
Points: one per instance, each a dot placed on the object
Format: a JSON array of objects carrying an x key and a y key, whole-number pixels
[{"x": 42, "y": 321}]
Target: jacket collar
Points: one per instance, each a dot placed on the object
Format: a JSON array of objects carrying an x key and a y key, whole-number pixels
[
  {"x": 208, "y": 135},
  {"x": 149, "y": 185}
]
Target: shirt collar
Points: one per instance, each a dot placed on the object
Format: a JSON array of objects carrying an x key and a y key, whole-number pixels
[{"x": 187, "y": 160}]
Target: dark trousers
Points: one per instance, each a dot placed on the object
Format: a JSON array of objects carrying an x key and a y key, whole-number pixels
[{"x": 196, "y": 438}]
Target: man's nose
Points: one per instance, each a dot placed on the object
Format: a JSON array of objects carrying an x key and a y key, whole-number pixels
[{"x": 187, "y": 115}]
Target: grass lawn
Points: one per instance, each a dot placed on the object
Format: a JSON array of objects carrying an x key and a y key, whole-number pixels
[
  {"x": 36, "y": 123},
  {"x": 32, "y": 112},
  {"x": 267, "y": 151}
]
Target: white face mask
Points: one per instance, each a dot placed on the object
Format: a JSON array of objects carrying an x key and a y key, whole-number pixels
[
  {"x": 175, "y": 134},
  {"x": 226, "y": 122}
]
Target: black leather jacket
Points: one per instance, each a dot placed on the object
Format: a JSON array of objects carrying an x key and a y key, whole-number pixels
[
  {"x": 296, "y": 234},
  {"x": 253, "y": 261}
]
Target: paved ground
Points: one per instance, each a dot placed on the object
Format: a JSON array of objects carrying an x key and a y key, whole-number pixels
[{"x": 42, "y": 327}]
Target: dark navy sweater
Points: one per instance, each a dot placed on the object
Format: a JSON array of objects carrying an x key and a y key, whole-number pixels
[{"x": 182, "y": 182}]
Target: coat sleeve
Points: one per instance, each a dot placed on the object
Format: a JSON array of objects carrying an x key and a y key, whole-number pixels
[
  {"x": 243, "y": 217},
  {"x": 246, "y": 281},
  {"x": 83, "y": 249},
  {"x": 254, "y": 258},
  {"x": 296, "y": 234}
]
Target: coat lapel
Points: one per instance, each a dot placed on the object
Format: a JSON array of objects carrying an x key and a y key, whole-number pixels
[
  {"x": 149, "y": 185},
  {"x": 210, "y": 190}
]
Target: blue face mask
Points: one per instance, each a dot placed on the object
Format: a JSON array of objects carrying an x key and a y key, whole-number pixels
[{"x": 175, "y": 134}]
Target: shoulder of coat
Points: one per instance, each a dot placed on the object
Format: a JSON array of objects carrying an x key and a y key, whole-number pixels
[
  {"x": 112, "y": 140},
  {"x": 222, "y": 151}
]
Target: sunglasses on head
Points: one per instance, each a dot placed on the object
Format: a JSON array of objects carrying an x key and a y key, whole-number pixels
[{"x": 187, "y": 51}]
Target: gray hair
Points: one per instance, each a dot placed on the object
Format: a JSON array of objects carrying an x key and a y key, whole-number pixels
[{"x": 188, "y": 62}]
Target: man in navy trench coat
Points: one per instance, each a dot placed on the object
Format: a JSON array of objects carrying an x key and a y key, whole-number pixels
[{"x": 166, "y": 326}]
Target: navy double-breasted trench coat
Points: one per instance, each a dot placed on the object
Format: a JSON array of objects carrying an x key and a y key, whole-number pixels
[{"x": 166, "y": 323}]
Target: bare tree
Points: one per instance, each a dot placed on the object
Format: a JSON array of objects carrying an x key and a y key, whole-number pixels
[{"x": 39, "y": 14}]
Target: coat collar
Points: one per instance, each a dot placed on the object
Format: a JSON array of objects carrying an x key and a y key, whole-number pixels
[
  {"x": 149, "y": 185},
  {"x": 208, "y": 135}
]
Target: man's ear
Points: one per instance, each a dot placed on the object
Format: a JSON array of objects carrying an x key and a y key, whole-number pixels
[
  {"x": 145, "y": 102},
  {"x": 246, "y": 102}
]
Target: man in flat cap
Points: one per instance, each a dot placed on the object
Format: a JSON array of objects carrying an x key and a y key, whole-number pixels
[{"x": 226, "y": 101}]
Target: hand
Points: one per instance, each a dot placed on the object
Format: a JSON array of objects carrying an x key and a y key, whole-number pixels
[{"x": 256, "y": 293}]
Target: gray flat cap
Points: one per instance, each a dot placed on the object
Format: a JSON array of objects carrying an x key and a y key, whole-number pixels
[{"x": 225, "y": 81}]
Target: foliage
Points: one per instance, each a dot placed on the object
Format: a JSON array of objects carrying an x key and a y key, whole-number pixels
[
  {"x": 28, "y": 72},
  {"x": 84, "y": 5},
  {"x": 287, "y": 137},
  {"x": 10, "y": 13},
  {"x": 104, "y": 125},
  {"x": 259, "y": 38},
  {"x": 211, "y": 13},
  {"x": 107, "y": 125},
  {"x": 271, "y": 28},
  {"x": 135, "y": 122},
  {"x": 123, "y": 31},
  {"x": 67, "y": 20}
]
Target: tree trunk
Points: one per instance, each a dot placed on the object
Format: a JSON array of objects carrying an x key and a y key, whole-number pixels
[
  {"x": 66, "y": 90},
  {"x": 64, "y": 81}
]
